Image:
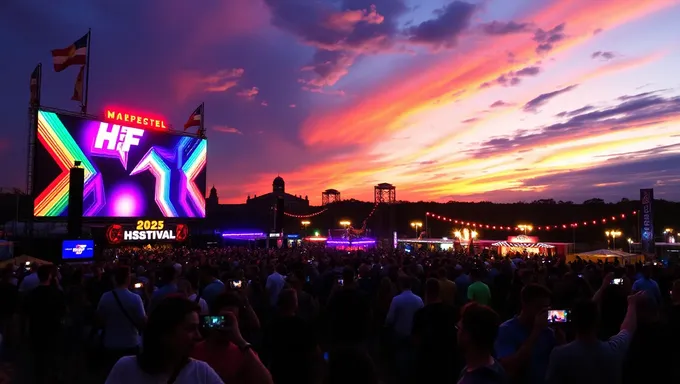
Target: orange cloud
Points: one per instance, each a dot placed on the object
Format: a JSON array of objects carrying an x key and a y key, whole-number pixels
[
  {"x": 345, "y": 21},
  {"x": 384, "y": 111},
  {"x": 249, "y": 93},
  {"x": 227, "y": 129},
  {"x": 188, "y": 83}
]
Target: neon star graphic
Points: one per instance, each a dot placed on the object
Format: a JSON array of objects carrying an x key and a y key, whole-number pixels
[
  {"x": 155, "y": 164},
  {"x": 190, "y": 170},
  {"x": 59, "y": 143}
]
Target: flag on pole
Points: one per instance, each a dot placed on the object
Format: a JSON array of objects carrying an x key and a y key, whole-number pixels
[
  {"x": 78, "y": 88},
  {"x": 75, "y": 54},
  {"x": 35, "y": 85},
  {"x": 195, "y": 118}
]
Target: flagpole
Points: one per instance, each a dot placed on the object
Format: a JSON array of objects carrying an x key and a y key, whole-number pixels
[
  {"x": 87, "y": 74},
  {"x": 202, "y": 129}
]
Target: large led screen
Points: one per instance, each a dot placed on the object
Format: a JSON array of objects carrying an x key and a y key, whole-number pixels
[{"x": 129, "y": 172}]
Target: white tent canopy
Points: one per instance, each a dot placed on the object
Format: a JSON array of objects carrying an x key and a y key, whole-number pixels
[{"x": 607, "y": 253}]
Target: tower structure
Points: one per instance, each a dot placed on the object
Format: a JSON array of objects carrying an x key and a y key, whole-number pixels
[
  {"x": 330, "y": 196},
  {"x": 385, "y": 193}
]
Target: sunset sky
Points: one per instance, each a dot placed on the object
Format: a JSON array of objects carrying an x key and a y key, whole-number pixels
[{"x": 448, "y": 100}]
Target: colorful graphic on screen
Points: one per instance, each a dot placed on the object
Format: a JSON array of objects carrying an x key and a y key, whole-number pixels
[
  {"x": 77, "y": 249},
  {"x": 558, "y": 316},
  {"x": 129, "y": 172}
]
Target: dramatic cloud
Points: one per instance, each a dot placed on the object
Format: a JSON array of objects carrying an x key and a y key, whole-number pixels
[
  {"x": 249, "y": 93},
  {"x": 444, "y": 30},
  {"x": 513, "y": 78},
  {"x": 539, "y": 101},
  {"x": 603, "y": 55},
  {"x": 227, "y": 129},
  {"x": 575, "y": 112},
  {"x": 505, "y": 28},
  {"x": 340, "y": 35},
  {"x": 547, "y": 39},
  {"x": 633, "y": 112}
]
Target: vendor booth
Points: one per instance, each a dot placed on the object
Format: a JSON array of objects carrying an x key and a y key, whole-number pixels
[
  {"x": 524, "y": 244},
  {"x": 607, "y": 255}
]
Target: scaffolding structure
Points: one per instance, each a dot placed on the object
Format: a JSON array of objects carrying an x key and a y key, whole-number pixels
[
  {"x": 330, "y": 196},
  {"x": 385, "y": 193}
]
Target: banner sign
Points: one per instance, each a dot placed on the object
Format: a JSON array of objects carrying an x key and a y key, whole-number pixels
[
  {"x": 647, "y": 222},
  {"x": 146, "y": 231},
  {"x": 523, "y": 239}
]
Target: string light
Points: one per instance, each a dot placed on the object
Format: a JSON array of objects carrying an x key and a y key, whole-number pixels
[
  {"x": 578, "y": 224},
  {"x": 304, "y": 216}
]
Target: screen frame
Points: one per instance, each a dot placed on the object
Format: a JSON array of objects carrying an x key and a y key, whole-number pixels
[{"x": 36, "y": 145}]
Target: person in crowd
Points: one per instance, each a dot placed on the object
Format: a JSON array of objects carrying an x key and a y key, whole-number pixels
[
  {"x": 674, "y": 310},
  {"x": 30, "y": 281},
  {"x": 169, "y": 278},
  {"x": 462, "y": 281},
  {"x": 308, "y": 307},
  {"x": 524, "y": 342},
  {"x": 171, "y": 334},
  {"x": 350, "y": 365},
  {"x": 647, "y": 284},
  {"x": 434, "y": 336},
  {"x": 348, "y": 313},
  {"x": 189, "y": 288},
  {"x": 225, "y": 349},
  {"x": 400, "y": 320},
  {"x": 9, "y": 301},
  {"x": 122, "y": 316},
  {"x": 45, "y": 307},
  {"x": 587, "y": 359},
  {"x": 211, "y": 286},
  {"x": 275, "y": 283},
  {"x": 478, "y": 291},
  {"x": 477, "y": 331},
  {"x": 447, "y": 287},
  {"x": 290, "y": 344},
  {"x": 652, "y": 344}
]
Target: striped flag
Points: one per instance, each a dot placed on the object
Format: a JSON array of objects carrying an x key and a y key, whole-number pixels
[
  {"x": 195, "y": 118},
  {"x": 75, "y": 54},
  {"x": 78, "y": 88}
]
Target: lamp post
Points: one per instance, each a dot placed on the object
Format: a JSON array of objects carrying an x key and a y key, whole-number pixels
[
  {"x": 613, "y": 234},
  {"x": 525, "y": 228},
  {"x": 346, "y": 223},
  {"x": 630, "y": 245},
  {"x": 415, "y": 225},
  {"x": 305, "y": 224}
]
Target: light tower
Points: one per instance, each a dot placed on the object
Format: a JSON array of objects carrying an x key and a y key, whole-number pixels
[{"x": 385, "y": 193}]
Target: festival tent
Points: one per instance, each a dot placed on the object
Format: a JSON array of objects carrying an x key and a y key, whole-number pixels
[
  {"x": 22, "y": 260},
  {"x": 607, "y": 255}
]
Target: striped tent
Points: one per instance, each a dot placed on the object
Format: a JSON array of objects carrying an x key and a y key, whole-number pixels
[{"x": 521, "y": 245}]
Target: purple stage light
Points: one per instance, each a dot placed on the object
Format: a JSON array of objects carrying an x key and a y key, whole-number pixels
[
  {"x": 242, "y": 234},
  {"x": 346, "y": 242},
  {"x": 126, "y": 201}
]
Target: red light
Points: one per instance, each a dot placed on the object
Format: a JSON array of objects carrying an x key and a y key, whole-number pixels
[
  {"x": 455, "y": 221},
  {"x": 634, "y": 212},
  {"x": 427, "y": 213},
  {"x": 594, "y": 222},
  {"x": 547, "y": 228},
  {"x": 613, "y": 218},
  {"x": 604, "y": 220},
  {"x": 623, "y": 216},
  {"x": 494, "y": 227},
  {"x": 487, "y": 225},
  {"x": 564, "y": 225},
  {"x": 141, "y": 120},
  {"x": 585, "y": 223}
]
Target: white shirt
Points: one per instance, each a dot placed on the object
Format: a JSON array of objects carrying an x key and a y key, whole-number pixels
[
  {"x": 201, "y": 303},
  {"x": 119, "y": 332},
  {"x": 29, "y": 283},
  {"x": 402, "y": 309},
  {"x": 127, "y": 371},
  {"x": 274, "y": 286}
]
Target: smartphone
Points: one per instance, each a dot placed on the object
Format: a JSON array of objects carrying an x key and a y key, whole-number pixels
[
  {"x": 28, "y": 264},
  {"x": 580, "y": 275},
  {"x": 235, "y": 284},
  {"x": 558, "y": 316},
  {"x": 617, "y": 281},
  {"x": 138, "y": 285},
  {"x": 308, "y": 279},
  {"x": 341, "y": 282},
  {"x": 325, "y": 356},
  {"x": 213, "y": 322}
]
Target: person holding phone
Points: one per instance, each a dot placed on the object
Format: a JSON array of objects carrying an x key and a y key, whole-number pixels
[
  {"x": 587, "y": 359},
  {"x": 225, "y": 349}
]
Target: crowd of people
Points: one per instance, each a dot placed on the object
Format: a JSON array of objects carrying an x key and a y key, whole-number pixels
[{"x": 315, "y": 315}]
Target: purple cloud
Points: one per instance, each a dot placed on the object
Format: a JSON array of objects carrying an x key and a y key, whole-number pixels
[
  {"x": 505, "y": 28},
  {"x": 513, "y": 78},
  {"x": 499, "y": 104},
  {"x": 541, "y": 100},
  {"x": 603, "y": 55},
  {"x": 471, "y": 120},
  {"x": 575, "y": 112},
  {"x": 445, "y": 29},
  {"x": 547, "y": 39}
]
